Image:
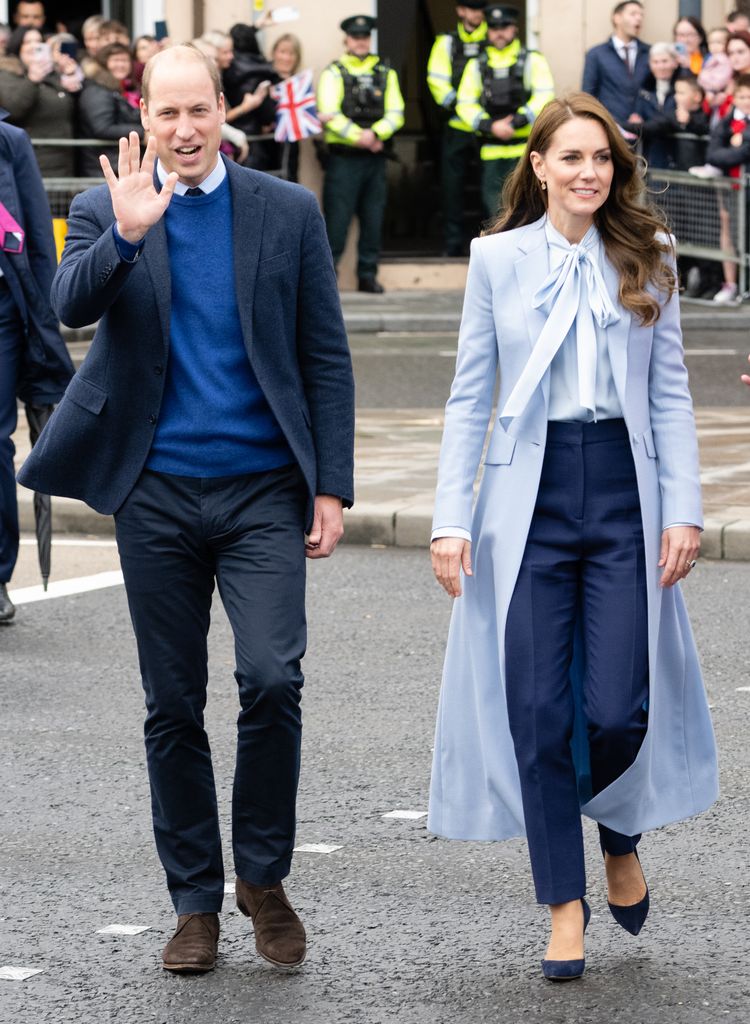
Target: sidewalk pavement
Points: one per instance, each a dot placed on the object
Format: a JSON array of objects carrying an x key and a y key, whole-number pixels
[{"x": 397, "y": 450}]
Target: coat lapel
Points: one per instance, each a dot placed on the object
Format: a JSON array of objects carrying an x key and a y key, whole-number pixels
[
  {"x": 248, "y": 214},
  {"x": 531, "y": 269},
  {"x": 617, "y": 334},
  {"x": 156, "y": 259}
]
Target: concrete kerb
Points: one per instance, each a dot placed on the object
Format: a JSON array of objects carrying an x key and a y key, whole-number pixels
[{"x": 401, "y": 524}]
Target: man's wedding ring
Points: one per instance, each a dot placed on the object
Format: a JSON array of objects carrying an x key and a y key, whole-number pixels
[{"x": 690, "y": 565}]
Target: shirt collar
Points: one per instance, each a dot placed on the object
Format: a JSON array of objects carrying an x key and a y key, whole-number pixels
[
  {"x": 209, "y": 183},
  {"x": 620, "y": 46},
  {"x": 589, "y": 241}
]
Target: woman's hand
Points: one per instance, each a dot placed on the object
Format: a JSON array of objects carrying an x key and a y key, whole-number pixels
[
  {"x": 679, "y": 548},
  {"x": 449, "y": 556}
]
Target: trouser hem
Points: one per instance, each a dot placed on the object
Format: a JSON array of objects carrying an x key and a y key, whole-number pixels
[
  {"x": 199, "y": 904},
  {"x": 263, "y": 876}
]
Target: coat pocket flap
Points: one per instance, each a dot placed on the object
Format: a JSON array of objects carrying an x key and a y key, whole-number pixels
[
  {"x": 648, "y": 443},
  {"x": 89, "y": 396},
  {"x": 274, "y": 264},
  {"x": 501, "y": 447}
]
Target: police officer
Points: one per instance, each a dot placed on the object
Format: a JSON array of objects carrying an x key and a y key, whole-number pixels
[
  {"x": 449, "y": 56},
  {"x": 499, "y": 95},
  {"x": 361, "y": 106}
]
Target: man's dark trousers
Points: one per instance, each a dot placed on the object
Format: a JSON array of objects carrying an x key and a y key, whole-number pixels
[
  {"x": 176, "y": 535},
  {"x": 11, "y": 336},
  {"x": 460, "y": 152},
  {"x": 355, "y": 183}
]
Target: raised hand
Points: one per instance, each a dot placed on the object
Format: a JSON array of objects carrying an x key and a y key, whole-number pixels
[{"x": 136, "y": 203}]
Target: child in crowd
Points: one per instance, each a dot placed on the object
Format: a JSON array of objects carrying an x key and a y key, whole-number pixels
[
  {"x": 716, "y": 73},
  {"x": 729, "y": 149}
]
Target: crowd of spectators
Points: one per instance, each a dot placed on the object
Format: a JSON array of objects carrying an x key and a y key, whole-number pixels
[
  {"x": 86, "y": 84},
  {"x": 685, "y": 103}
]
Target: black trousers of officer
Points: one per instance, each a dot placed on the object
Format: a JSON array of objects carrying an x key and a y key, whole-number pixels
[
  {"x": 11, "y": 340},
  {"x": 177, "y": 536},
  {"x": 494, "y": 174},
  {"x": 460, "y": 153},
  {"x": 584, "y": 555},
  {"x": 355, "y": 184}
]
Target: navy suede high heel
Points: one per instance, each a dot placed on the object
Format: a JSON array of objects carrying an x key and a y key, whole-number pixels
[
  {"x": 567, "y": 970},
  {"x": 633, "y": 917}
]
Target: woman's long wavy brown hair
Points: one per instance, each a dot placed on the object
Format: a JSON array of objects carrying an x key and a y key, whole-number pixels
[{"x": 627, "y": 223}]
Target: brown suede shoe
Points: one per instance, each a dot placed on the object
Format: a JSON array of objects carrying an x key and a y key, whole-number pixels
[
  {"x": 193, "y": 946},
  {"x": 279, "y": 934}
]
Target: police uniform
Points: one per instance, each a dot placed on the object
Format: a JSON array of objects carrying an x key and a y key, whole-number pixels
[
  {"x": 498, "y": 83},
  {"x": 355, "y": 94},
  {"x": 448, "y": 59}
]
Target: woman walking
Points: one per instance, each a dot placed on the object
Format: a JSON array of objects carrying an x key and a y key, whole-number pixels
[{"x": 571, "y": 679}]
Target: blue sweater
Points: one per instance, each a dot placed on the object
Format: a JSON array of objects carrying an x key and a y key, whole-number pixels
[{"x": 214, "y": 419}]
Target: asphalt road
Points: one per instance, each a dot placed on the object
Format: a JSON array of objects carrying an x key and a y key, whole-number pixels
[
  {"x": 402, "y": 371},
  {"x": 402, "y": 926}
]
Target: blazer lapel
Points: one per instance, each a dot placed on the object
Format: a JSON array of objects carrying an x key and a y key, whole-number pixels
[
  {"x": 617, "y": 334},
  {"x": 248, "y": 215},
  {"x": 156, "y": 259}
]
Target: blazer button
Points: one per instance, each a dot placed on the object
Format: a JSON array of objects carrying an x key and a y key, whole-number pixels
[
  {"x": 152, "y": 419},
  {"x": 158, "y": 370}
]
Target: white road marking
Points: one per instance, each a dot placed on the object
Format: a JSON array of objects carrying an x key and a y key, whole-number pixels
[
  {"x": 743, "y": 689},
  {"x": 229, "y": 888},
  {"x": 8, "y": 973},
  {"x": 712, "y": 475},
  {"x": 123, "y": 929},
  {"x": 406, "y": 815},
  {"x": 64, "y": 588},
  {"x": 72, "y": 542},
  {"x": 712, "y": 352},
  {"x": 316, "y": 848}
]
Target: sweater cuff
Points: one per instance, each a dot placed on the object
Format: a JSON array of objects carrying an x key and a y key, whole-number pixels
[{"x": 127, "y": 251}]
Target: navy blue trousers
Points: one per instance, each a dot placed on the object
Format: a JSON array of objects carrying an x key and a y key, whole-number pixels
[
  {"x": 176, "y": 536},
  {"x": 11, "y": 340},
  {"x": 584, "y": 557}
]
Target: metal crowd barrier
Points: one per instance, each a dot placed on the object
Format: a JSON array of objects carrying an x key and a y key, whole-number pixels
[{"x": 708, "y": 217}]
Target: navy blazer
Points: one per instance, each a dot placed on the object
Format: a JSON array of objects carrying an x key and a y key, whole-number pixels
[
  {"x": 98, "y": 439},
  {"x": 606, "y": 77},
  {"x": 45, "y": 368}
]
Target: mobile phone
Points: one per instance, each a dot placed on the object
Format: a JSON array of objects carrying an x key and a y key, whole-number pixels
[
  {"x": 69, "y": 49},
  {"x": 42, "y": 51},
  {"x": 160, "y": 30},
  {"x": 681, "y": 49}
]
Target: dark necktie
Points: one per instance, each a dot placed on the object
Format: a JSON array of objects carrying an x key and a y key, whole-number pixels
[{"x": 194, "y": 192}]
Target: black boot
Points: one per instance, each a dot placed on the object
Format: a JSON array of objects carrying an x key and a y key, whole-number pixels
[
  {"x": 371, "y": 285},
  {"x": 7, "y": 608}
]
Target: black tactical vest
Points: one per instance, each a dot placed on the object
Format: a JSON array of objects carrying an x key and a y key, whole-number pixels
[
  {"x": 461, "y": 54},
  {"x": 503, "y": 89},
  {"x": 364, "y": 95}
]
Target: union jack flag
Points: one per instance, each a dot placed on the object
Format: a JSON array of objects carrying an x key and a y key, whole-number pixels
[{"x": 296, "y": 116}]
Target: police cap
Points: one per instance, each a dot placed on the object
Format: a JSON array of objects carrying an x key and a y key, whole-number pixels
[
  {"x": 497, "y": 15},
  {"x": 358, "y": 25}
]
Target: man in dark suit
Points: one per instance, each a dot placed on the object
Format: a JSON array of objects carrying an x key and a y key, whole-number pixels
[
  {"x": 615, "y": 71},
  {"x": 214, "y": 417},
  {"x": 34, "y": 363}
]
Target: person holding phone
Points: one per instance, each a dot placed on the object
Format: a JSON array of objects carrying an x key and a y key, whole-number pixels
[
  {"x": 39, "y": 99},
  {"x": 108, "y": 107}
]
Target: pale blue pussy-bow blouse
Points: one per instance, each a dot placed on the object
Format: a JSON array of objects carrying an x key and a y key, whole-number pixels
[{"x": 573, "y": 341}]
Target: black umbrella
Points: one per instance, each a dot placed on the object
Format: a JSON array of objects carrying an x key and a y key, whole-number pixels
[{"x": 37, "y": 416}]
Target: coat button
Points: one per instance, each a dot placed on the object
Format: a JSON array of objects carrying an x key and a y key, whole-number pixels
[
  {"x": 158, "y": 369},
  {"x": 152, "y": 419}
]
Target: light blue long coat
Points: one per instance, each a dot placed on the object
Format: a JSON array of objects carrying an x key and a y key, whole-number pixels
[{"x": 475, "y": 792}]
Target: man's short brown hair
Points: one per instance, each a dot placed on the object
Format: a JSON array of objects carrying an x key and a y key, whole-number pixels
[{"x": 190, "y": 51}]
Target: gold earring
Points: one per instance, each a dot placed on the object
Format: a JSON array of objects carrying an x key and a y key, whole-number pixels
[{"x": 543, "y": 183}]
